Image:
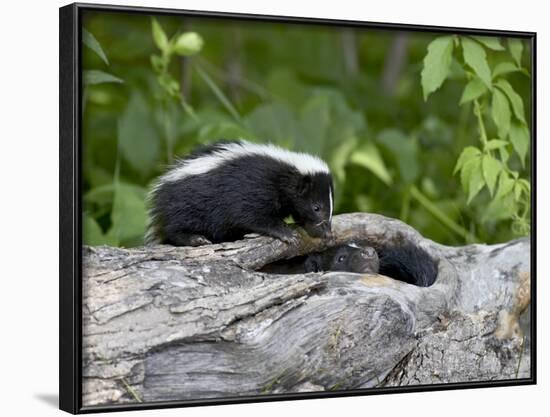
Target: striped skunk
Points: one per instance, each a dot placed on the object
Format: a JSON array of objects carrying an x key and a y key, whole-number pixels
[
  {"x": 222, "y": 191},
  {"x": 348, "y": 258},
  {"x": 407, "y": 263}
]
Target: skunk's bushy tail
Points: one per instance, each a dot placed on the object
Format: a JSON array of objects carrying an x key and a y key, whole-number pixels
[{"x": 407, "y": 263}]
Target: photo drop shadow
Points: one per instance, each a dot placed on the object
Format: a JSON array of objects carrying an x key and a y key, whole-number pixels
[{"x": 49, "y": 399}]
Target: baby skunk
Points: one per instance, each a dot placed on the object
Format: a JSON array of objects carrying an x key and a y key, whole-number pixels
[
  {"x": 406, "y": 263},
  {"x": 349, "y": 258},
  {"x": 223, "y": 191}
]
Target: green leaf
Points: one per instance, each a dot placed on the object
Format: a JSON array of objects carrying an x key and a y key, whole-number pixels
[
  {"x": 504, "y": 154},
  {"x": 495, "y": 144},
  {"x": 160, "y": 38},
  {"x": 515, "y": 99},
  {"x": 491, "y": 169},
  {"x": 189, "y": 43},
  {"x": 526, "y": 184},
  {"x": 437, "y": 63},
  {"x": 273, "y": 122},
  {"x": 469, "y": 153},
  {"x": 466, "y": 172},
  {"x": 92, "y": 77},
  {"x": 516, "y": 50},
  {"x": 369, "y": 157},
  {"x": 91, "y": 232},
  {"x": 505, "y": 185},
  {"x": 315, "y": 120},
  {"x": 404, "y": 150},
  {"x": 159, "y": 63},
  {"x": 169, "y": 84},
  {"x": 476, "y": 180},
  {"x": 500, "y": 209},
  {"x": 471, "y": 177},
  {"x": 340, "y": 157},
  {"x": 129, "y": 215},
  {"x": 518, "y": 189},
  {"x": 91, "y": 42},
  {"x": 519, "y": 136},
  {"x": 475, "y": 57},
  {"x": 138, "y": 139},
  {"x": 474, "y": 89},
  {"x": 501, "y": 113},
  {"x": 490, "y": 42},
  {"x": 504, "y": 68}
]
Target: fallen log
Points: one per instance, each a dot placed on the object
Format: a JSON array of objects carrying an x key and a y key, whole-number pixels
[{"x": 167, "y": 323}]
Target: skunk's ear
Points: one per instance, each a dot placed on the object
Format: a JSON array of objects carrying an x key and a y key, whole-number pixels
[
  {"x": 313, "y": 263},
  {"x": 304, "y": 185}
]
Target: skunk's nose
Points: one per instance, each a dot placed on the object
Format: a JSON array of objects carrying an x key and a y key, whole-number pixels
[
  {"x": 368, "y": 253},
  {"x": 327, "y": 230}
]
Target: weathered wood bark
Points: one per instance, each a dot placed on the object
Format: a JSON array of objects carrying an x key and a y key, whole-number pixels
[{"x": 166, "y": 323}]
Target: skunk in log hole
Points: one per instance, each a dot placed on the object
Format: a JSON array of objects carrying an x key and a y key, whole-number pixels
[
  {"x": 223, "y": 191},
  {"x": 404, "y": 262},
  {"x": 348, "y": 258}
]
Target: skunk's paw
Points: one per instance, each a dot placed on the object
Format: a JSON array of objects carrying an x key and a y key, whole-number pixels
[
  {"x": 291, "y": 237},
  {"x": 198, "y": 240}
]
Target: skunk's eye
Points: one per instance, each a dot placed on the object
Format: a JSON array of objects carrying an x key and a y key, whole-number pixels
[
  {"x": 342, "y": 258},
  {"x": 316, "y": 208}
]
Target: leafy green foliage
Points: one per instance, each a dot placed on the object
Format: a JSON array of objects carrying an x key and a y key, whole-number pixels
[
  {"x": 474, "y": 89},
  {"x": 99, "y": 77},
  {"x": 476, "y": 59},
  {"x": 516, "y": 49},
  {"x": 483, "y": 167},
  {"x": 91, "y": 42},
  {"x": 160, "y": 38},
  {"x": 135, "y": 131},
  {"x": 437, "y": 64},
  {"x": 369, "y": 158},
  {"x": 491, "y": 43},
  {"x": 168, "y": 86},
  {"x": 500, "y": 110}
]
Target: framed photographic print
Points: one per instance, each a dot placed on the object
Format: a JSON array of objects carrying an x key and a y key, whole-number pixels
[{"x": 261, "y": 208}]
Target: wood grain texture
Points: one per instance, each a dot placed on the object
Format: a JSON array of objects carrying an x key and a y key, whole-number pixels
[{"x": 167, "y": 323}]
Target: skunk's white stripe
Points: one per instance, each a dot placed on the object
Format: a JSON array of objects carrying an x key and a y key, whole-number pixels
[
  {"x": 330, "y": 199},
  {"x": 303, "y": 162}
]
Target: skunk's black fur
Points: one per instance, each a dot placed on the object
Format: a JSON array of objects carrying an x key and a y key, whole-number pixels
[
  {"x": 407, "y": 263},
  {"x": 223, "y": 191},
  {"x": 349, "y": 258}
]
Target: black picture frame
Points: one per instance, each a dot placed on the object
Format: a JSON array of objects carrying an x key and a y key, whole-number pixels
[{"x": 70, "y": 232}]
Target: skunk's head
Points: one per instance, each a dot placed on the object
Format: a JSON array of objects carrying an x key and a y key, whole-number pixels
[
  {"x": 313, "y": 203},
  {"x": 349, "y": 258}
]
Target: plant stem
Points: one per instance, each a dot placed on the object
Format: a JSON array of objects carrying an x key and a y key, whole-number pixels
[
  {"x": 440, "y": 215},
  {"x": 219, "y": 94}
]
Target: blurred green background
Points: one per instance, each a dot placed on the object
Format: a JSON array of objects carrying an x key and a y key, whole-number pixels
[{"x": 352, "y": 96}]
